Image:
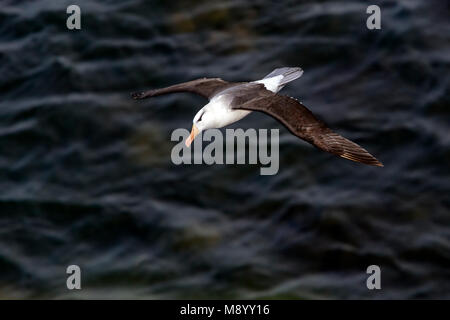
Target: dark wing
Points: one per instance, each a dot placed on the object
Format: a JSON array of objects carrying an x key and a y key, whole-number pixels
[
  {"x": 302, "y": 123},
  {"x": 206, "y": 87}
]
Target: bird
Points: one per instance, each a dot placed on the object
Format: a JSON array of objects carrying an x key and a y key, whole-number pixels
[{"x": 231, "y": 101}]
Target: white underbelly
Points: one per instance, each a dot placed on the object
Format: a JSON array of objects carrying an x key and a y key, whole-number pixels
[{"x": 231, "y": 116}]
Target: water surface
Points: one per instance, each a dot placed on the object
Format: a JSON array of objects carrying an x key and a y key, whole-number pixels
[{"x": 86, "y": 176}]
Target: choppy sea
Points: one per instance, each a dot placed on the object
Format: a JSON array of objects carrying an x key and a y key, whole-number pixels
[{"x": 86, "y": 176}]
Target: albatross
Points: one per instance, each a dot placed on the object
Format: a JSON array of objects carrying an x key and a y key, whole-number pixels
[{"x": 231, "y": 101}]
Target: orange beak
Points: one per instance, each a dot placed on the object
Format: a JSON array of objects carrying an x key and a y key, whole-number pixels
[{"x": 194, "y": 133}]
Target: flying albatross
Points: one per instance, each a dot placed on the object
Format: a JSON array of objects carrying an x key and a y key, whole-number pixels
[{"x": 231, "y": 101}]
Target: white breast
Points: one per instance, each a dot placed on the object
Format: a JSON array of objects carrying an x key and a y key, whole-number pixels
[{"x": 223, "y": 113}]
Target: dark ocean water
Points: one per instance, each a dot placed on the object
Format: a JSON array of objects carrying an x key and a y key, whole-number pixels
[{"x": 86, "y": 176}]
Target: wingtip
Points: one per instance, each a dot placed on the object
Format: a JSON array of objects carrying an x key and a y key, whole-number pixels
[
  {"x": 370, "y": 160},
  {"x": 375, "y": 162},
  {"x": 137, "y": 95}
]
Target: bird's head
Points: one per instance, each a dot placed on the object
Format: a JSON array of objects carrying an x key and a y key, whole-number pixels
[{"x": 203, "y": 120}]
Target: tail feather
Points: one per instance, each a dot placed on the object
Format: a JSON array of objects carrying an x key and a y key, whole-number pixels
[{"x": 289, "y": 74}]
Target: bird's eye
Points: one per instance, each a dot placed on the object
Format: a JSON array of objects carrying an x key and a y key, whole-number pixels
[{"x": 200, "y": 118}]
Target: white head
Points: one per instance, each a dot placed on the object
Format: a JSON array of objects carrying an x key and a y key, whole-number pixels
[{"x": 204, "y": 119}]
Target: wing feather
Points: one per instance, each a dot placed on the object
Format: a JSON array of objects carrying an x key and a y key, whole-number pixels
[
  {"x": 302, "y": 123},
  {"x": 205, "y": 87}
]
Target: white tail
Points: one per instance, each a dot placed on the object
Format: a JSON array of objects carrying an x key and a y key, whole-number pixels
[{"x": 278, "y": 78}]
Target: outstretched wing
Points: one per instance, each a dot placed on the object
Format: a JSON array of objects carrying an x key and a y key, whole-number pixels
[
  {"x": 302, "y": 123},
  {"x": 206, "y": 87}
]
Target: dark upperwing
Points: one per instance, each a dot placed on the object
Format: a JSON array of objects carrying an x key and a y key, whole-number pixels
[
  {"x": 205, "y": 87},
  {"x": 302, "y": 123}
]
